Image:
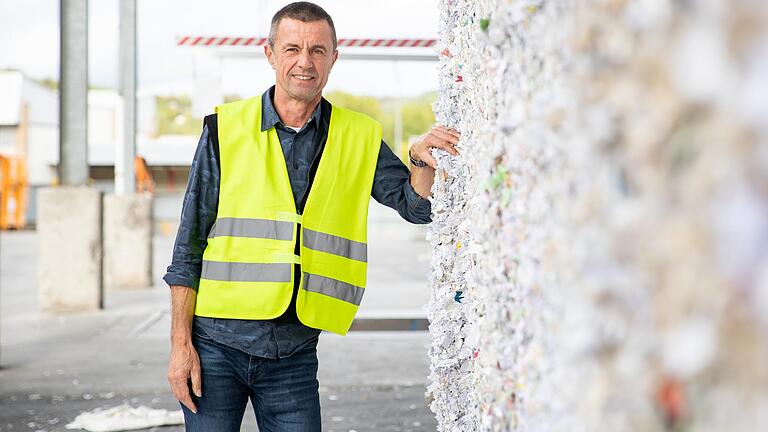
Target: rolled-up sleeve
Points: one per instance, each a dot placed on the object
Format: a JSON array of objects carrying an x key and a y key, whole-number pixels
[
  {"x": 392, "y": 188},
  {"x": 198, "y": 214}
]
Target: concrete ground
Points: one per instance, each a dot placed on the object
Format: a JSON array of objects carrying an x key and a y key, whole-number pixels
[{"x": 54, "y": 367}]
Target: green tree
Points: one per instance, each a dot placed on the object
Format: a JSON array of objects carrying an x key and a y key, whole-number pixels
[
  {"x": 417, "y": 115},
  {"x": 174, "y": 116},
  {"x": 174, "y": 113}
]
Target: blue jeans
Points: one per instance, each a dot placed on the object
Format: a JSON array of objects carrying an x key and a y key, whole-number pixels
[{"x": 283, "y": 392}]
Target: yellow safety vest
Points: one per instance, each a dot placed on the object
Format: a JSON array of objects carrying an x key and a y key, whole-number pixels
[{"x": 248, "y": 263}]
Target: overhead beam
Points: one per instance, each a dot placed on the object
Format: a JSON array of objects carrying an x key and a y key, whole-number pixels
[{"x": 343, "y": 55}]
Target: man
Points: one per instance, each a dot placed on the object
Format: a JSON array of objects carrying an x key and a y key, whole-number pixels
[{"x": 271, "y": 245}]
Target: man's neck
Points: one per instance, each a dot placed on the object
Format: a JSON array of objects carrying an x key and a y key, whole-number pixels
[{"x": 293, "y": 112}]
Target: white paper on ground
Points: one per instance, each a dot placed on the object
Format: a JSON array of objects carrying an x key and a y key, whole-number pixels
[{"x": 125, "y": 418}]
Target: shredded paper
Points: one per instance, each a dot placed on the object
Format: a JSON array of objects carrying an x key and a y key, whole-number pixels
[
  {"x": 125, "y": 418},
  {"x": 600, "y": 246}
]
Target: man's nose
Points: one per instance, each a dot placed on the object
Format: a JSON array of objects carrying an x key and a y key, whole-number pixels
[{"x": 304, "y": 59}]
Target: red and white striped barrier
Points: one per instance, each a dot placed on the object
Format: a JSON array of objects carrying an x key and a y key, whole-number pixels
[{"x": 214, "y": 41}]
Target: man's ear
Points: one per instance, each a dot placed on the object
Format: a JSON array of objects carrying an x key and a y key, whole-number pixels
[
  {"x": 335, "y": 57},
  {"x": 270, "y": 55}
]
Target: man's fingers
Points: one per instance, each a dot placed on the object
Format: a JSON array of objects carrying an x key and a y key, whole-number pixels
[
  {"x": 450, "y": 131},
  {"x": 438, "y": 137},
  {"x": 434, "y": 141},
  {"x": 445, "y": 128},
  {"x": 429, "y": 160},
  {"x": 187, "y": 402},
  {"x": 449, "y": 148},
  {"x": 453, "y": 139},
  {"x": 180, "y": 388},
  {"x": 197, "y": 384}
]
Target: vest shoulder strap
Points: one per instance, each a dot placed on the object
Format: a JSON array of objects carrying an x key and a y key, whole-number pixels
[{"x": 213, "y": 134}]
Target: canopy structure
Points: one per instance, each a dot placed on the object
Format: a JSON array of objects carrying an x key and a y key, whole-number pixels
[{"x": 380, "y": 53}]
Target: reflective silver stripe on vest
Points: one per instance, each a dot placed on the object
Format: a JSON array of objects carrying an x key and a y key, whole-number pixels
[
  {"x": 246, "y": 272},
  {"x": 333, "y": 288},
  {"x": 332, "y": 244},
  {"x": 254, "y": 228}
]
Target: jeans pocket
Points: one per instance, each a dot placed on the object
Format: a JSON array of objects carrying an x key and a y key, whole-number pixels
[{"x": 200, "y": 333}]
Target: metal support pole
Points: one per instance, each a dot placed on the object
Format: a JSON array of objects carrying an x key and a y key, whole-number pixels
[
  {"x": 398, "y": 132},
  {"x": 73, "y": 93},
  {"x": 125, "y": 175}
]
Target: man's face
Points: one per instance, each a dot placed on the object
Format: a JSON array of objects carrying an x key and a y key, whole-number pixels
[{"x": 302, "y": 57}]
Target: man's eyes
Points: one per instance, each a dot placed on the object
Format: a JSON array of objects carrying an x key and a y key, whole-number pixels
[{"x": 316, "y": 51}]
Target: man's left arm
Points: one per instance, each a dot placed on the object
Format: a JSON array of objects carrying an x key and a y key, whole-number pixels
[
  {"x": 406, "y": 191},
  {"x": 392, "y": 187}
]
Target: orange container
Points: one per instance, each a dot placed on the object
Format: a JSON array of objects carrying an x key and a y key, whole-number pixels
[{"x": 13, "y": 192}]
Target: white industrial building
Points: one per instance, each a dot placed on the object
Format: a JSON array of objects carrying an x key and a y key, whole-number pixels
[
  {"x": 29, "y": 125},
  {"x": 29, "y": 128}
]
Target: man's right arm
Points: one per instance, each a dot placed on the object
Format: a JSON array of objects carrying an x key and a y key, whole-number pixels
[
  {"x": 184, "y": 364},
  {"x": 198, "y": 214}
]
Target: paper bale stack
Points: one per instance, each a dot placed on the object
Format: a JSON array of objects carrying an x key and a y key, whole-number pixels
[{"x": 601, "y": 245}]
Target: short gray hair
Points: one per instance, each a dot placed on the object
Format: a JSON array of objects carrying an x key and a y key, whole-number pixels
[{"x": 304, "y": 12}]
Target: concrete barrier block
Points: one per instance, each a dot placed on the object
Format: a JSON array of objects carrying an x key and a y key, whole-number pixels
[
  {"x": 69, "y": 249},
  {"x": 127, "y": 241}
]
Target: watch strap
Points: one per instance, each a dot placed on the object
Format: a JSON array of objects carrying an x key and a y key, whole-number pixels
[{"x": 418, "y": 163}]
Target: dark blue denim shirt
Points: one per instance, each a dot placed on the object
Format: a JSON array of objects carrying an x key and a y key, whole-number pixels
[{"x": 282, "y": 336}]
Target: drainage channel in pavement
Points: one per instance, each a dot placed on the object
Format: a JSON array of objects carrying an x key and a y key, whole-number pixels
[{"x": 159, "y": 321}]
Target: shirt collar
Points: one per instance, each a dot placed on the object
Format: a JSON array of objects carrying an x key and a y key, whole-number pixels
[{"x": 269, "y": 117}]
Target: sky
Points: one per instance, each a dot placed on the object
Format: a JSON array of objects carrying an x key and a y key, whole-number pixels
[{"x": 29, "y": 41}]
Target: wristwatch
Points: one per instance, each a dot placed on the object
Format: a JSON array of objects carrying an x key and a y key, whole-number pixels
[{"x": 418, "y": 163}]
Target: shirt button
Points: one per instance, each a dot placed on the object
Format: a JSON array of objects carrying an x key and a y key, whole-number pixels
[{"x": 295, "y": 166}]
